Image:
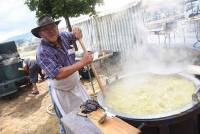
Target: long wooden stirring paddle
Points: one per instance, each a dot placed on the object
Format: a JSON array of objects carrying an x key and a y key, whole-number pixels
[{"x": 93, "y": 69}]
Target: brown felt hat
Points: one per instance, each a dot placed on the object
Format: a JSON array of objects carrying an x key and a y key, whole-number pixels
[{"x": 46, "y": 20}]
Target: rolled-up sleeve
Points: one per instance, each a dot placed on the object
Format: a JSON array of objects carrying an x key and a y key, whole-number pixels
[{"x": 48, "y": 63}]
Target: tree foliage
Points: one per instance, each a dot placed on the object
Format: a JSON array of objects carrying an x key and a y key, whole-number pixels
[{"x": 62, "y": 8}]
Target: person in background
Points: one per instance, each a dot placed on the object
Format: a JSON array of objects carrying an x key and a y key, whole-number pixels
[
  {"x": 31, "y": 67},
  {"x": 56, "y": 56}
]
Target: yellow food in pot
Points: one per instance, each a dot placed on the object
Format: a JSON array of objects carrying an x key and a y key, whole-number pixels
[{"x": 149, "y": 94}]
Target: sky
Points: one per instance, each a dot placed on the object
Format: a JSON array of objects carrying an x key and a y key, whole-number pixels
[{"x": 16, "y": 18}]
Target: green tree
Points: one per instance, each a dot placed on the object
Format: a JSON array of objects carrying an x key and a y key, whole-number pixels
[{"x": 62, "y": 8}]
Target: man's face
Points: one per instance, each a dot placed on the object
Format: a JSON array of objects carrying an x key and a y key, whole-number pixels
[{"x": 49, "y": 32}]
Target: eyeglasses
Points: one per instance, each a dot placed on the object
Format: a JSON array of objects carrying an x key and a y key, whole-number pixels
[{"x": 49, "y": 28}]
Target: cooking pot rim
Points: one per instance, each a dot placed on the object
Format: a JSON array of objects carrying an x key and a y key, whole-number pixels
[
  {"x": 161, "y": 115},
  {"x": 100, "y": 99}
]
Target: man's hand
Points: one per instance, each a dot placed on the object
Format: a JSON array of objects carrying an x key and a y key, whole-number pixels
[
  {"x": 77, "y": 32},
  {"x": 68, "y": 70},
  {"x": 87, "y": 58}
]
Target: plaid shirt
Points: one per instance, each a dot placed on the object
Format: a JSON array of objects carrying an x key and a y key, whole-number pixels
[{"x": 51, "y": 59}]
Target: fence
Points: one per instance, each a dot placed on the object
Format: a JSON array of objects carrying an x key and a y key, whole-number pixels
[{"x": 118, "y": 31}]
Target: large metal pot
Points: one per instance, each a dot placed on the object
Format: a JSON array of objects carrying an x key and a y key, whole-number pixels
[{"x": 160, "y": 123}]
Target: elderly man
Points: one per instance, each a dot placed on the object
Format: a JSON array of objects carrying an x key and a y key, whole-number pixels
[{"x": 56, "y": 56}]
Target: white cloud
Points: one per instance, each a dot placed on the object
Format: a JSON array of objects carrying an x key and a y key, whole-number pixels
[{"x": 15, "y": 18}]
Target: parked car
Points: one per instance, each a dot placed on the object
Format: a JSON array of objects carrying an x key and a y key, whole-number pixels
[{"x": 11, "y": 77}]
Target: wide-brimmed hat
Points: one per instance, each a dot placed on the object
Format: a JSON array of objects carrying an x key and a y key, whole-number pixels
[{"x": 46, "y": 20}]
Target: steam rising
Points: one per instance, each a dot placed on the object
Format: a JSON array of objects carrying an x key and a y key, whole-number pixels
[
  {"x": 7, "y": 59},
  {"x": 158, "y": 60}
]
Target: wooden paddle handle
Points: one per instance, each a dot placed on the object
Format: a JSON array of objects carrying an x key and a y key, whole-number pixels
[{"x": 93, "y": 68}]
